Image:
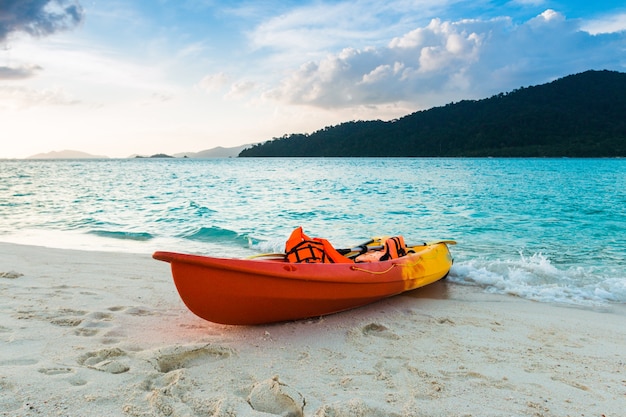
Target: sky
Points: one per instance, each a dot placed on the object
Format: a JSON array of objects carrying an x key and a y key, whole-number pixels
[{"x": 125, "y": 77}]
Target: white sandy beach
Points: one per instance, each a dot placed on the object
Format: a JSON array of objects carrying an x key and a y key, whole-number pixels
[{"x": 105, "y": 334}]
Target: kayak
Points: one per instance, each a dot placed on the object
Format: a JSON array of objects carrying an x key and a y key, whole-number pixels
[{"x": 267, "y": 290}]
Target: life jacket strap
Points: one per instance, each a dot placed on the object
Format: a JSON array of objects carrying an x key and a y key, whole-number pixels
[
  {"x": 302, "y": 249},
  {"x": 394, "y": 248},
  {"x": 307, "y": 251}
]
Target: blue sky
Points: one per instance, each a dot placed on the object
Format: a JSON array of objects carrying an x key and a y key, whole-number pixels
[{"x": 118, "y": 78}]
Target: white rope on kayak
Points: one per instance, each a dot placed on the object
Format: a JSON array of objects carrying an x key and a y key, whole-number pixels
[{"x": 356, "y": 268}]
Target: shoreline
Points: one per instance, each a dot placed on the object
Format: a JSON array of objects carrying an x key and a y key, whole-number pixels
[{"x": 95, "y": 333}]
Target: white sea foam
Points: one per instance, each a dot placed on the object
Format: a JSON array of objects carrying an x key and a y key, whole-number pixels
[{"x": 536, "y": 278}]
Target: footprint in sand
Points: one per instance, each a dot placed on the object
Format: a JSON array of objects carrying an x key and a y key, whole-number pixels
[
  {"x": 273, "y": 397},
  {"x": 105, "y": 360},
  {"x": 178, "y": 357},
  {"x": 45, "y": 314},
  {"x": 56, "y": 371},
  {"x": 64, "y": 317},
  {"x": 86, "y": 332},
  {"x": 445, "y": 320},
  {"x": 174, "y": 394},
  {"x": 93, "y": 323},
  {"x": 353, "y": 407},
  {"x": 379, "y": 330},
  {"x": 139, "y": 311},
  {"x": 10, "y": 275},
  {"x": 66, "y": 321},
  {"x": 73, "y": 379},
  {"x": 133, "y": 310}
]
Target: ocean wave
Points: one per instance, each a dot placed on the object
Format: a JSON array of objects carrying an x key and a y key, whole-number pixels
[
  {"x": 536, "y": 278},
  {"x": 92, "y": 223},
  {"x": 214, "y": 234},
  {"x": 139, "y": 236},
  {"x": 276, "y": 245},
  {"x": 200, "y": 210}
]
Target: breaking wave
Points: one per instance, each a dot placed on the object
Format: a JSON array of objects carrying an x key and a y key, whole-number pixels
[{"x": 536, "y": 278}]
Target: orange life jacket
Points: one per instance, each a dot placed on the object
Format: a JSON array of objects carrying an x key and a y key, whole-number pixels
[
  {"x": 394, "y": 247},
  {"x": 302, "y": 249}
]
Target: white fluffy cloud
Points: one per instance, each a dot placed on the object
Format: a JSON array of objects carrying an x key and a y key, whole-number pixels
[
  {"x": 18, "y": 72},
  {"x": 240, "y": 89},
  {"x": 608, "y": 24},
  {"x": 452, "y": 60},
  {"x": 214, "y": 82},
  {"x": 20, "y": 97}
]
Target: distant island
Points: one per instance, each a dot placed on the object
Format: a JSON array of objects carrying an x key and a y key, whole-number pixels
[
  {"x": 217, "y": 152},
  {"x": 158, "y": 155},
  {"x": 582, "y": 115},
  {"x": 66, "y": 154}
]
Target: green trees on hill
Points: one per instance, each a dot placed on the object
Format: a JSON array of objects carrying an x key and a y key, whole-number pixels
[{"x": 582, "y": 115}]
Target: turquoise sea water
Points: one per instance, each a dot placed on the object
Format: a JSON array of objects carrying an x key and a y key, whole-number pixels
[{"x": 551, "y": 230}]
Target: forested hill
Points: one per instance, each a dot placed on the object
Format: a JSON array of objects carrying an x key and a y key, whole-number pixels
[{"x": 582, "y": 115}]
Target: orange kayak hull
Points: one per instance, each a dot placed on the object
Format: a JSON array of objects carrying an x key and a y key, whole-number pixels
[{"x": 252, "y": 291}]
